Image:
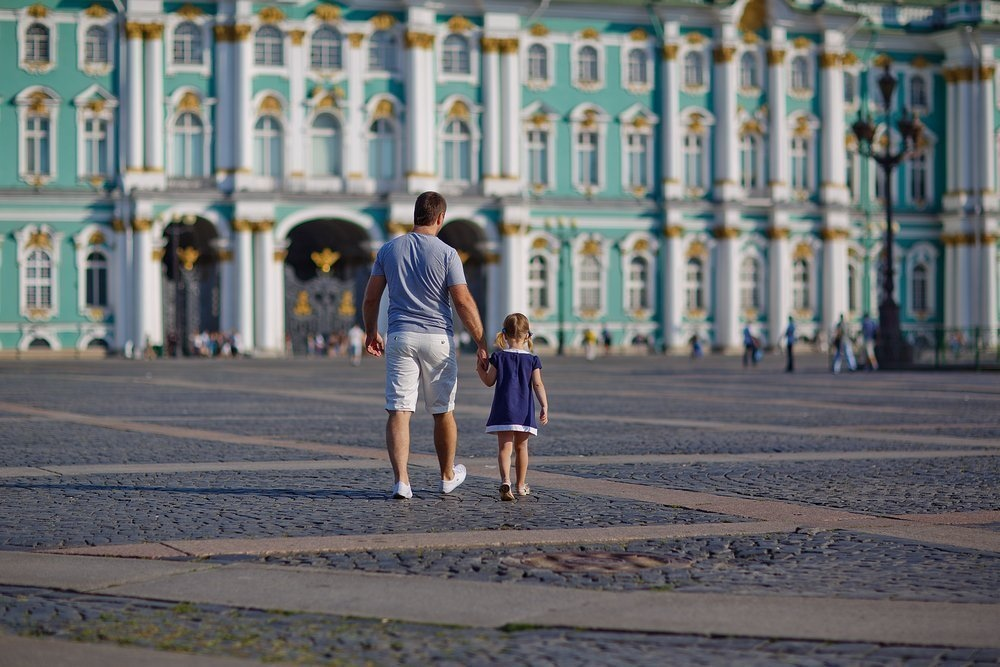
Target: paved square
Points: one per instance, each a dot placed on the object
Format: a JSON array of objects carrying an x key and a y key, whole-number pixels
[{"x": 230, "y": 512}]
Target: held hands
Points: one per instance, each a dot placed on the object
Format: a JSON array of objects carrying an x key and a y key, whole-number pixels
[
  {"x": 543, "y": 416},
  {"x": 374, "y": 344},
  {"x": 483, "y": 358}
]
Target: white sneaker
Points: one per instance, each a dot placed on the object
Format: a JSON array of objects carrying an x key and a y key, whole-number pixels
[
  {"x": 449, "y": 485},
  {"x": 401, "y": 491}
]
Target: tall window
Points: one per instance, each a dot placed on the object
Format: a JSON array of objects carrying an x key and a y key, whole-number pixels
[
  {"x": 267, "y": 153},
  {"x": 694, "y": 161},
  {"x": 38, "y": 280},
  {"x": 538, "y": 63},
  {"x": 918, "y": 93},
  {"x": 586, "y": 158},
  {"x": 850, "y": 89},
  {"x": 36, "y": 145},
  {"x": 538, "y": 157},
  {"x": 748, "y": 71},
  {"x": 269, "y": 47},
  {"x": 853, "y": 288},
  {"x": 382, "y": 52},
  {"x": 694, "y": 292},
  {"x": 538, "y": 283},
  {"x": 919, "y": 303},
  {"x": 800, "y": 73},
  {"x": 638, "y": 67},
  {"x": 918, "y": 179},
  {"x": 326, "y": 49},
  {"x": 799, "y": 151},
  {"x": 96, "y": 276},
  {"x": 638, "y": 284},
  {"x": 95, "y": 147},
  {"x": 750, "y": 284},
  {"x": 638, "y": 159},
  {"x": 457, "y": 145},
  {"x": 95, "y": 46},
  {"x": 590, "y": 283},
  {"x": 187, "y": 44},
  {"x": 188, "y": 158},
  {"x": 586, "y": 65},
  {"x": 800, "y": 285},
  {"x": 750, "y": 162},
  {"x": 455, "y": 55},
  {"x": 693, "y": 72},
  {"x": 36, "y": 44},
  {"x": 382, "y": 151},
  {"x": 326, "y": 142}
]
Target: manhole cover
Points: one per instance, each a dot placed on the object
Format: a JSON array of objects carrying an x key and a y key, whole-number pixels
[{"x": 597, "y": 561}]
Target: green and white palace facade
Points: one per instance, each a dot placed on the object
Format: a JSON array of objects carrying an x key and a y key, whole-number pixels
[{"x": 657, "y": 169}]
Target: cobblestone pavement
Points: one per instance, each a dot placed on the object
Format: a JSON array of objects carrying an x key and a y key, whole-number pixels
[{"x": 929, "y": 440}]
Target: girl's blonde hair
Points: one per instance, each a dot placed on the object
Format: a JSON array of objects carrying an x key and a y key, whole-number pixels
[{"x": 515, "y": 326}]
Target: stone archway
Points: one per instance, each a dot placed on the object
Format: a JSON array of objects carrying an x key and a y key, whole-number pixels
[
  {"x": 326, "y": 270},
  {"x": 191, "y": 291},
  {"x": 469, "y": 240}
]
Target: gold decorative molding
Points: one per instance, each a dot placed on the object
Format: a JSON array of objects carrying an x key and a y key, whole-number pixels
[
  {"x": 640, "y": 122},
  {"x": 538, "y": 30},
  {"x": 97, "y": 238},
  {"x": 302, "y": 307},
  {"x": 280, "y": 255},
  {"x": 802, "y": 251},
  {"x": 962, "y": 74},
  {"x": 224, "y": 255},
  {"x": 589, "y": 33},
  {"x": 849, "y": 59},
  {"x": 778, "y": 233},
  {"x": 696, "y": 38},
  {"x": 96, "y": 11},
  {"x": 695, "y": 123},
  {"x": 189, "y": 11},
  {"x": 271, "y": 15},
  {"x": 833, "y": 234},
  {"x": 297, "y": 37},
  {"x": 540, "y": 243},
  {"x": 97, "y": 105},
  {"x": 327, "y": 12},
  {"x": 751, "y": 127},
  {"x": 240, "y": 225},
  {"x": 459, "y": 110},
  {"x": 269, "y": 105},
  {"x": 589, "y": 119},
  {"x": 355, "y": 39},
  {"x": 882, "y": 60},
  {"x": 142, "y": 224},
  {"x": 829, "y": 60},
  {"x": 948, "y": 75},
  {"x": 346, "y": 306},
  {"x": 262, "y": 226},
  {"x": 511, "y": 228},
  {"x": 638, "y": 35},
  {"x": 724, "y": 54},
  {"x": 188, "y": 256},
  {"x": 696, "y": 250},
  {"x": 133, "y": 30},
  {"x": 158, "y": 254},
  {"x": 669, "y": 51},
  {"x": 775, "y": 56},
  {"x": 383, "y": 21},
  {"x": 986, "y": 72},
  {"x": 384, "y": 109},
  {"x": 641, "y": 245},
  {"x": 591, "y": 248},
  {"x": 673, "y": 231},
  {"x": 38, "y": 11},
  {"x": 508, "y": 46},
  {"x": 459, "y": 24},
  {"x": 241, "y": 32},
  {"x": 726, "y": 233},
  {"x": 751, "y": 38},
  {"x": 419, "y": 40},
  {"x": 489, "y": 45},
  {"x": 152, "y": 31},
  {"x": 325, "y": 259},
  {"x": 189, "y": 102},
  {"x": 117, "y": 225},
  {"x": 801, "y": 43},
  {"x": 39, "y": 239},
  {"x": 920, "y": 62},
  {"x": 802, "y": 128}
]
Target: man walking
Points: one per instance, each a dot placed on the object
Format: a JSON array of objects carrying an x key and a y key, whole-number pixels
[
  {"x": 790, "y": 344},
  {"x": 424, "y": 277},
  {"x": 868, "y": 332}
]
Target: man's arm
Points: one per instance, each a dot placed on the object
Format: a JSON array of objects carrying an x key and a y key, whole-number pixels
[
  {"x": 468, "y": 312},
  {"x": 369, "y": 311}
]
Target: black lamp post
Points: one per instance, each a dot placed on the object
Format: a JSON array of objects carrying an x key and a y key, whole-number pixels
[
  {"x": 891, "y": 350},
  {"x": 564, "y": 231}
]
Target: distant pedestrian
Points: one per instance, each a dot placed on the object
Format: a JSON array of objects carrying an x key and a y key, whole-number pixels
[
  {"x": 516, "y": 372},
  {"x": 790, "y": 345},
  {"x": 696, "y": 350},
  {"x": 842, "y": 347},
  {"x": 606, "y": 339},
  {"x": 355, "y": 341},
  {"x": 590, "y": 344},
  {"x": 869, "y": 329},
  {"x": 750, "y": 347}
]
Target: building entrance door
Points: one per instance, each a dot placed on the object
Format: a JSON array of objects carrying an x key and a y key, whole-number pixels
[
  {"x": 190, "y": 268},
  {"x": 470, "y": 241}
]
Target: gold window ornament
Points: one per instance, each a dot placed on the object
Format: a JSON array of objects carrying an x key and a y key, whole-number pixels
[
  {"x": 327, "y": 12},
  {"x": 384, "y": 109},
  {"x": 538, "y": 30},
  {"x": 459, "y": 110},
  {"x": 383, "y": 21},
  {"x": 459, "y": 24},
  {"x": 271, "y": 15},
  {"x": 589, "y": 33},
  {"x": 325, "y": 259},
  {"x": 302, "y": 307}
]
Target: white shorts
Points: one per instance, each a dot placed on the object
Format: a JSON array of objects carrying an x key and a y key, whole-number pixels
[{"x": 421, "y": 360}]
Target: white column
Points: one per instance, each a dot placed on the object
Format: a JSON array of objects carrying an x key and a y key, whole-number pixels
[
  {"x": 222, "y": 127},
  {"x": 354, "y": 149},
  {"x": 510, "y": 110},
  {"x": 833, "y": 189},
  {"x": 950, "y": 284},
  {"x": 963, "y": 261},
  {"x": 263, "y": 301},
  {"x": 491, "y": 114},
  {"x": 123, "y": 280},
  {"x": 134, "y": 99},
  {"x": 778, "y": 131},
  {"x": 780, "y": 269},
  {"x": 154, "y": 97},
  {"x": 834, "y": 276},
  {"x": 727, "y": 177},
  {"x": 513, "y": 268},
  {"x": 671, "y": 101},
  {"x": 965, "y": 134},
  {"x": 296, "y": 137},
  {"x": 244, "y": 282},
  {"x": 727, "y": 290},
  {"x": 227, "y": 285},
  {"x": 142, "y": 257},
  {"x": 672, "y": 288},
  {"x": 278, "y": 296},
  {"x": 242, "y": 113},
  {"x": 951, "y": 131},
  {"x": 989, "y": 276},
  {"x": 420, "y": 104}
]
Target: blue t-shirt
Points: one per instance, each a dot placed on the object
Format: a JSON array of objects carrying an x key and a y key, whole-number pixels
[{"x": 418, "y": 270}]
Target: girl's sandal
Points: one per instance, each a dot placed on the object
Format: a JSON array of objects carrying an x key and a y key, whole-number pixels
[
  {"x": 505, "y": 493},
  {"x": 524, "y": 490}
]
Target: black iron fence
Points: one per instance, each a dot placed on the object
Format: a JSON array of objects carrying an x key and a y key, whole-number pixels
[{"x": 944, "y": 347}]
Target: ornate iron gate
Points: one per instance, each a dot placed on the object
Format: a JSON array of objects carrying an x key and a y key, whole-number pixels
[{"x": 322, "y": 305}]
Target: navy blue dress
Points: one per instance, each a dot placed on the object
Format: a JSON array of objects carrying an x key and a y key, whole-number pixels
[{"x": 513, "y": 401}]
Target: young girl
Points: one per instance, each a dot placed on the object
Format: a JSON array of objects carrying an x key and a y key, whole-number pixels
[{"x": 515, "y": 371}]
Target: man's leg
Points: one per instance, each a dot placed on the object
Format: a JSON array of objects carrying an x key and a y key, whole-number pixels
[
  {"x": 397, "y": 441},
  {"x": 445, "y": 443}
]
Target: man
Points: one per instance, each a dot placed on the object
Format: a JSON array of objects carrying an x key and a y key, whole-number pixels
[
  {"x": 868, "y": 332},
  {"x": 749, "y": 347},
  {"x": 790, "y": 344},
  {"x": 424, "y": 277}
]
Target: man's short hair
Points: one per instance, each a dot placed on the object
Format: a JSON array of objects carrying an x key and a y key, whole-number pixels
[{"x": 429, "y": 206}]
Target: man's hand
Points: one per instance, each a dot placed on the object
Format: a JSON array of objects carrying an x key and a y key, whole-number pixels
[
  {"x": 374, "y": 344},
  {"x": 483, "y": 358}
]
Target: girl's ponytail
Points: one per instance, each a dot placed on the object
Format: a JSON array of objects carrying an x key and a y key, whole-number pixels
[{"x": 500, "y": 341}]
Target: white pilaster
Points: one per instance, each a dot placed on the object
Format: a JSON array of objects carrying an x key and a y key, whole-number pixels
[
  {"x": 964, "y": 262},
  {"x": 278, "y": 296},
  {"x": 834, "y": 271},
  {"x": 988, "y": 156},
  {"x": 727, "y": 177},
  {"x": 965, "y": 134},
  {"x": 670, "y": 94},
  {"x": 354, "y": 150},
  {"x": 242, "y": 113},
  {"x": 263, "y": 284},
  {"x": 991, "y": 322},
  {"x": 225, "y": 163},
  {"x": 123, "y": 280},
  {"x": 727, "y": 319},
  {"x": 244, "y": 282},
  {"x": 510, "y": 112},
  {"x": 951, "y": 132},
  {"x": 491, "y": 114},
  {"x": 672, "y": 277},
  {"x": 778, "y": 131},
  {"x": 950, "y": 285},
  {"x": 833, "y": 189},
  {"x": 780, "y": 269},
  {"x": 154, "y": 98},
  {"x": 134, "y": 99},
  {"x": 420, "y": 100},
  {"x": 296, "y": 137}
]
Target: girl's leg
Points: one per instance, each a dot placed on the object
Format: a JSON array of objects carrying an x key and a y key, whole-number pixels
[
  {"x": 521, "y": 448},
  {"x": 505, "y": 443}
]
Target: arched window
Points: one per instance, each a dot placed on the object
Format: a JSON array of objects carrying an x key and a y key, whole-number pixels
[
  {"x": 694, "y": 292},
  {"x": 800, "y": 285},
  {"x": 918, "y": 179},
  {"x": 750, "y": 162},
  {"x": 382, "y": 52},
  {"x": 750, "y": 284},
  {"x": 326, "y": 145},
  {"x": 799, "y": 152},
  {"x": 326, "y": 52},
  {"x": 850, "y": 89},
  {"x": 187, "y": 44},
  {"x": 95, "y": 147},
  {"x": 693, "y": 72},
  {"x": 382, "y": 150},
  {"x": 538, "y": 63},
  {"x": 36, "y": 44},
  {"x": 586, "y": 65},
  {"x": 36, "y": 145},
  {"x": 267, "y": 144},
  {"x": 95, "y": 46},
  {"x": 538, "y": 157},
  {"x": 638, "y": 67},
  {"x": 538, "y": 283},
  {"x": 269, "y": 47},
  {"x": 748, "y": 71},
  {"x": 38, "y": 280},
  {"x": 638, "y": 158},
  {"x": 456, "y": 142},
  {"x": 918, "y": 93},
  {"x": 638, "y": 284},
  {"x": 586, "y": 158},
  {"x": 694, "y": 161},
  {"x": 455, "y": 55},
  {"x": 800, "y": 73},
  {"x": 96, "y": 276},
  {"x": 919, "y": 302},
  {"x": 188, "y": 157},
  {"x": 589, "y": 285}
]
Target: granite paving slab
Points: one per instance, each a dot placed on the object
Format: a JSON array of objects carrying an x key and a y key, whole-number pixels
[
  {"x": 882, "y": 486},
  {"x": 116, "y": 509}
]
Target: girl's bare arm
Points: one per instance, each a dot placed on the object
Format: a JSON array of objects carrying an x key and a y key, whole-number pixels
[
  {"x": 488, "y": 376},
  {"x": 543, "y": 401}
]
